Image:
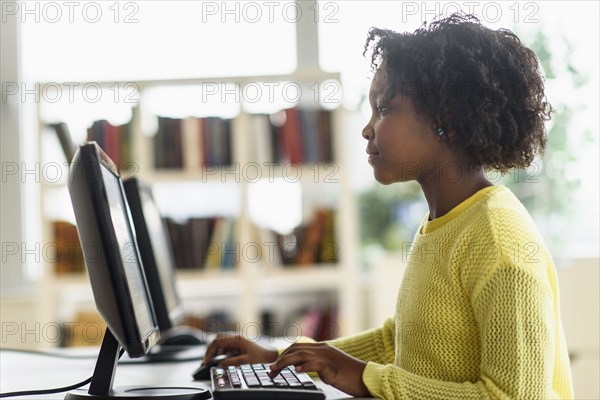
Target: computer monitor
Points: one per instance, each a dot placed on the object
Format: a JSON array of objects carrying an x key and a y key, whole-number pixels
[
  {"x": 116, "y": 275},
  {"x": 156, "y": 252},
  {"x": 159, "y": 265}
]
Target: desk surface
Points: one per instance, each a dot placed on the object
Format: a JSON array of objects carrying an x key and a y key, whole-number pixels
[{"x": 21, "y": 371}]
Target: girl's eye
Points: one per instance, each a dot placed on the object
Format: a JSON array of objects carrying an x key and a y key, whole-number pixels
[{"x": 382, "y": 109}]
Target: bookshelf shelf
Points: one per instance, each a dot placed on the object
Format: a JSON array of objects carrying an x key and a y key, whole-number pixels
[
  {"x": 251, "y": 172},
  {"x": 73, "y": 280},
  {"x": 303, "y": 74},
  {"x": 202, "y": 285},
  {"x": 301, "y": 279}
]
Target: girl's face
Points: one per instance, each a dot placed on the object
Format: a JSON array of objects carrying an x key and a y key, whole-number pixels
[{"x": 402, "y": 146}]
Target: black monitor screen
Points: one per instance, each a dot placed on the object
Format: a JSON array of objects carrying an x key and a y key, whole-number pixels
[{"x": 128, "y": 252}]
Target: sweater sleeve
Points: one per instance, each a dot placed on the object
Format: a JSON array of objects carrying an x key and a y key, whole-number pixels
[
  {"x": 375, "y": 345},
  {"x": 371, "y": 345},
  {"x": 513, "y": 308}
]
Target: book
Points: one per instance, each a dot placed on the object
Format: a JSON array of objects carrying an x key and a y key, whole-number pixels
[
  {"x": 126, "y": 145},
  {"x": 311, "y": 239},
  {"x": 69, "y": 256},
  {"x": 231, "y": 249},
  {"x": 291, "y": 136},
  {"x": 266, "y": 245},
  {"x": 325, "y": 130},
  {"x": 300, "y": 136},
  {"x": 329, "y": 251},
  {"x": 200, "y": 235},
  {"x": 215, "y": 245},
  {"x": 191, "y": 136},
  {"x": 309, "y": 129},
  {"x": 176, "y": 237},
  {"x": 261, "y": 146}
]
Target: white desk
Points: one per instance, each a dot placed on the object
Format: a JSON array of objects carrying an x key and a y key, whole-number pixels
[{"x": 19, "y": 371}]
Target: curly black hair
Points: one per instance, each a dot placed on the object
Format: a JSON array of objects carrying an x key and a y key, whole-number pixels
[{"x": 483, "y": 84}]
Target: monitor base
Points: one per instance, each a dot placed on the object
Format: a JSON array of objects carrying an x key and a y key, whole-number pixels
[{"x": 141, "y": 392}]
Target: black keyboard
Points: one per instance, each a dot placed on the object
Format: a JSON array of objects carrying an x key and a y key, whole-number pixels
[{"x": 252, "y": 382}]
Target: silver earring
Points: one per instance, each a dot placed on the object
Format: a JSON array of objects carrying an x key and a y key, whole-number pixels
[{"x": 440, "y": 132}]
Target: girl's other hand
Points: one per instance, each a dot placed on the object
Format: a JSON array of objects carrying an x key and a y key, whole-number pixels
[
  {"x": 334, "y": 367},
  {"x": 247, "y": 352}
]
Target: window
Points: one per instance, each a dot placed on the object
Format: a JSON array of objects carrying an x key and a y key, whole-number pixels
[{"x": 154, "y": 40}]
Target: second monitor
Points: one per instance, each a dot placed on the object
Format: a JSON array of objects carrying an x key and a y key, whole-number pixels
[{"x": 157, "y": 257}]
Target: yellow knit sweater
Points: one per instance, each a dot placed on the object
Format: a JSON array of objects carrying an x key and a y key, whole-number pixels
[{"x": 477, "y": 314}]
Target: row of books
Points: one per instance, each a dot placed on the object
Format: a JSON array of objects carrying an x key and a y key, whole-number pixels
[
  {"x": 293, "y": 135},
  {"x": 116, "y": 141},
  {"x": 192, "y": 142},
  {"x": 311, "y": 243},
  {"x": 317, "y": 320},
  {"x": 212, "y": 244},
  {"x": 204, "y": 243}
]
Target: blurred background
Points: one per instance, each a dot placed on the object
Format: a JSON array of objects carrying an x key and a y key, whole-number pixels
[{"x": 245, "y": 117}]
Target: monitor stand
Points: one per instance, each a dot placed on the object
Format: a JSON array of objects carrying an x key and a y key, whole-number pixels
[{"x": 104, "y": 373}]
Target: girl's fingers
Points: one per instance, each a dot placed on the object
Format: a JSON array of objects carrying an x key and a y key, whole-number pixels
[
  {"x": 293, "y": 358},
  {"x": 234, "y": 360},
  {"x": 221, "y": 345}
]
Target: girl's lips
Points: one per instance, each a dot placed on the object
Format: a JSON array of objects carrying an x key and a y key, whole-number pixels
[{"x": 372, "y": 155}]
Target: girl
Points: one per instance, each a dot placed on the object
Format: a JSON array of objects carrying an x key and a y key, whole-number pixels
[{"x": 477, "y": 314}]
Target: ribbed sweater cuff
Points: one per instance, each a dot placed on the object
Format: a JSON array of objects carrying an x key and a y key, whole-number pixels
[{"x": 372, "y": 378}]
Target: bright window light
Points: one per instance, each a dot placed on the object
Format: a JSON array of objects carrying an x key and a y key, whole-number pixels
[
  {"x": 144, "y": 40},
  {"x": 182, "y": 200}
]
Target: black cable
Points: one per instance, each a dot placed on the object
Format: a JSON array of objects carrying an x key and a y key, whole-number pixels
[
  {"x": 48, "y": 391},
  {"x": 148, "y": 360}
]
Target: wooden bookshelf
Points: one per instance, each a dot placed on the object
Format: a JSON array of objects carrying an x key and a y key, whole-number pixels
[{"x": 249, "y": 281}]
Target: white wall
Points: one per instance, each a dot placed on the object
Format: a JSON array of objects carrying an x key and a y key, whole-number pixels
[{"x": 579, "y": 285}]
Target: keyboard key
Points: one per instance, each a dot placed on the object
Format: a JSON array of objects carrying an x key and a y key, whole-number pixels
[
  {"x": 306, "y": 381},
  {"x": 279, "y": 379}
]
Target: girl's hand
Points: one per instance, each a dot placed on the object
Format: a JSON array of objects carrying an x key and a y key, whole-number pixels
[
  {"x": 334, "y": 367},
  {"x": 247, "y": 352}
]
